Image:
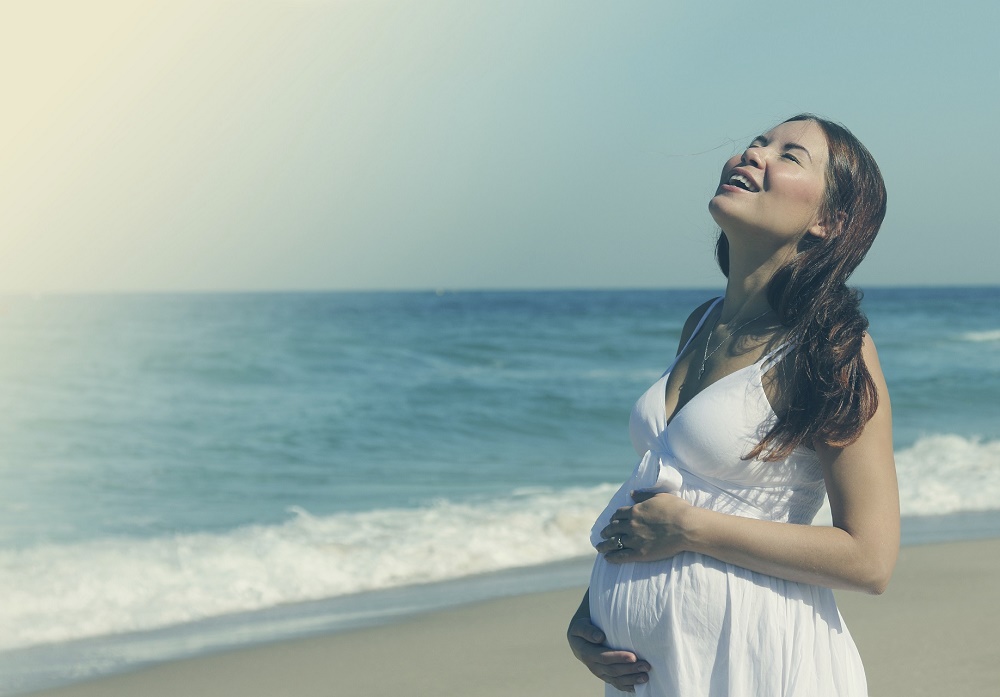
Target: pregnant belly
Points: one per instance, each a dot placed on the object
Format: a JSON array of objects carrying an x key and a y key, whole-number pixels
[{"x": 656, "y": 608}]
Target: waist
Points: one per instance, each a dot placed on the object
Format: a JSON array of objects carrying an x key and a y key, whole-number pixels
[
  {"x": 785, "y": 501},
  {"x": 788, "y": 504}
]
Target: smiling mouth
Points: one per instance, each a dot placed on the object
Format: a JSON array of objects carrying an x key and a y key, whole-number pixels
[{"x": 742, "y": 182}]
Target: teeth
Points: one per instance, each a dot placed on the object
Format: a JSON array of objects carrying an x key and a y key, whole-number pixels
[{"x": 742, "y": 182}]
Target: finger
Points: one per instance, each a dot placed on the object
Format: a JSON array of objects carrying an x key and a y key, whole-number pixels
[
  {"x": 617, "y": 527},
  {"x": 640, "y": 495},
  {"x": 611, "y": 541},
  {"x": 607, "y": 546},
  {"x": 584, "y": 629},
  {"x": 618, "y": 662},
  {"x": 621, "y": 556},
  {"x": 623, "y": 513},
  {"x": 634, "y": 677},
  {"x": 617, "y": 670},
  {"x": 627, "y": 683}
]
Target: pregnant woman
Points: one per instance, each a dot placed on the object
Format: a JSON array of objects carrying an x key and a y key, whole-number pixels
[{"x": 710, "y": 579}]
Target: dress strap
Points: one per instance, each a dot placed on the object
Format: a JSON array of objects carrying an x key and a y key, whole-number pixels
[
  {"x": 697, "y": 329},
  {"x": 772, "y": 358},
  {"x": 701, "y": 322}
]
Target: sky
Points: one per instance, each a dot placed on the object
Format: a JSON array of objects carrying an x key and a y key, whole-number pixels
[{"x": 452, "y": 144}]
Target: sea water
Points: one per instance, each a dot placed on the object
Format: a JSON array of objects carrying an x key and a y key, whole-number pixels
[{"x": 185, "y": 472}]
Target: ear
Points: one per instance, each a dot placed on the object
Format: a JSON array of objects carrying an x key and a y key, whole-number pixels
[{"x": 827, "y": 227}]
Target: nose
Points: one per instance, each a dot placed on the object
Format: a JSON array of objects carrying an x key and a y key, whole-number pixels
[{"x": 752, "y": 156}]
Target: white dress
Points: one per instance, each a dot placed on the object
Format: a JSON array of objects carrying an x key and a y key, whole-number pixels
[{"x": 708, "y": 628}]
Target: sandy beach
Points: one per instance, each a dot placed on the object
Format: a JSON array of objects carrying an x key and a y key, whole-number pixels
[{"x": 936, "y": 631}]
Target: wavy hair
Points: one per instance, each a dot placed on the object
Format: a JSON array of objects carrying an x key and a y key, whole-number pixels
[{"x": 828, "y": 393}]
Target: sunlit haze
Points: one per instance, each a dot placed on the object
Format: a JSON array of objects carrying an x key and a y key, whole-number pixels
[{"x": 334, "y": 144}]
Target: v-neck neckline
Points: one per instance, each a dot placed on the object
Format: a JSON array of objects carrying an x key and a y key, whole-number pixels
[{"x": 669, "y": 419}]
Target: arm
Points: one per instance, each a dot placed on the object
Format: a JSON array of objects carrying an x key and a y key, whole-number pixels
[
  {"x": 622, "y": 669},
  {"x": 857, "y": 553}
]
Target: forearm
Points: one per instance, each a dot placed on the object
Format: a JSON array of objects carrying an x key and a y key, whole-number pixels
[{"x": 819, "y": 555}]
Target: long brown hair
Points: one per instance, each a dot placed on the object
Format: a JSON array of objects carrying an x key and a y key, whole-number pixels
[{"x": 828, "y": 393}]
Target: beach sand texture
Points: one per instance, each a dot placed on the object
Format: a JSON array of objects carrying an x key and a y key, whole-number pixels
[{"x": 936, "y": 631}]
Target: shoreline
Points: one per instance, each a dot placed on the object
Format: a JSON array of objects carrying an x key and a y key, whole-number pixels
[
  {"x": 50, "y": 666},
  {"x": 933, "y": 632}
]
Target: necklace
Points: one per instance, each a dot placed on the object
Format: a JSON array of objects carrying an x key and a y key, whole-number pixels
[{"x": 707, "y": 354}]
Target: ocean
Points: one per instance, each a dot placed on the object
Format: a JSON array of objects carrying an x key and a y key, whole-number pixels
[{"x": 183, "y": 473}]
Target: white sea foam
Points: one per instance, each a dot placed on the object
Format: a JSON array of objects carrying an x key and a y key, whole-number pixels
[
  {"x": 948, "y": 473},
  {"x": 943, "y": 474},
  {"x": 59, "y": 592},
  {"x": 991, "y": 335}
]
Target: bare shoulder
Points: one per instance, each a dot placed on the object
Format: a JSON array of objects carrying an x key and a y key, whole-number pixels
[
  {"x": 869, "y": 354},
  {"x": 692, "y": 322}
]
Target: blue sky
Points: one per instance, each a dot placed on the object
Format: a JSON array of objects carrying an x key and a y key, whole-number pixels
[{"x": 314, "y": 144}]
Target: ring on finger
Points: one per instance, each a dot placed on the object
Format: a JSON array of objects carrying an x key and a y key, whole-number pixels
[{"x": 619, "y": 543}]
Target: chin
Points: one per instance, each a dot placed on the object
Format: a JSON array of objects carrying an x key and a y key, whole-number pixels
[{"x": 717, "y": 207}]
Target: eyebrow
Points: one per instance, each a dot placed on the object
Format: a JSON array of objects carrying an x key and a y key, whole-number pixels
[{"x": 788, "y": 146}]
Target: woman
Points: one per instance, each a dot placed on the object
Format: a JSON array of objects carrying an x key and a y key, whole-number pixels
[{"x": 710, "y": 579}]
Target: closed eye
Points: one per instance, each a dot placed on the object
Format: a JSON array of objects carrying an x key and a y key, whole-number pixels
[{"x": 792, "y": 157}]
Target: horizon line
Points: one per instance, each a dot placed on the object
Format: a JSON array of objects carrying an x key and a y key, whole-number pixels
[{"x": 446, "y": 290}]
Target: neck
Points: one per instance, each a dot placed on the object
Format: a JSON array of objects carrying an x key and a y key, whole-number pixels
[{"x": 750, "y": 270}]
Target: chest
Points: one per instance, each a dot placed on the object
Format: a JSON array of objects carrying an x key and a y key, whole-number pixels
[{"x": 711, "y": 434}]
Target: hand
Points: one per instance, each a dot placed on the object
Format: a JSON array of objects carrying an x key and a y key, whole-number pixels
[
  {"x": 652, "y": 529},
  {"x": 620, "y": 669}
]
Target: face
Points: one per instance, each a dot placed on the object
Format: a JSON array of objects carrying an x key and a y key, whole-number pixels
[{"x": 776, "y": 186}]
